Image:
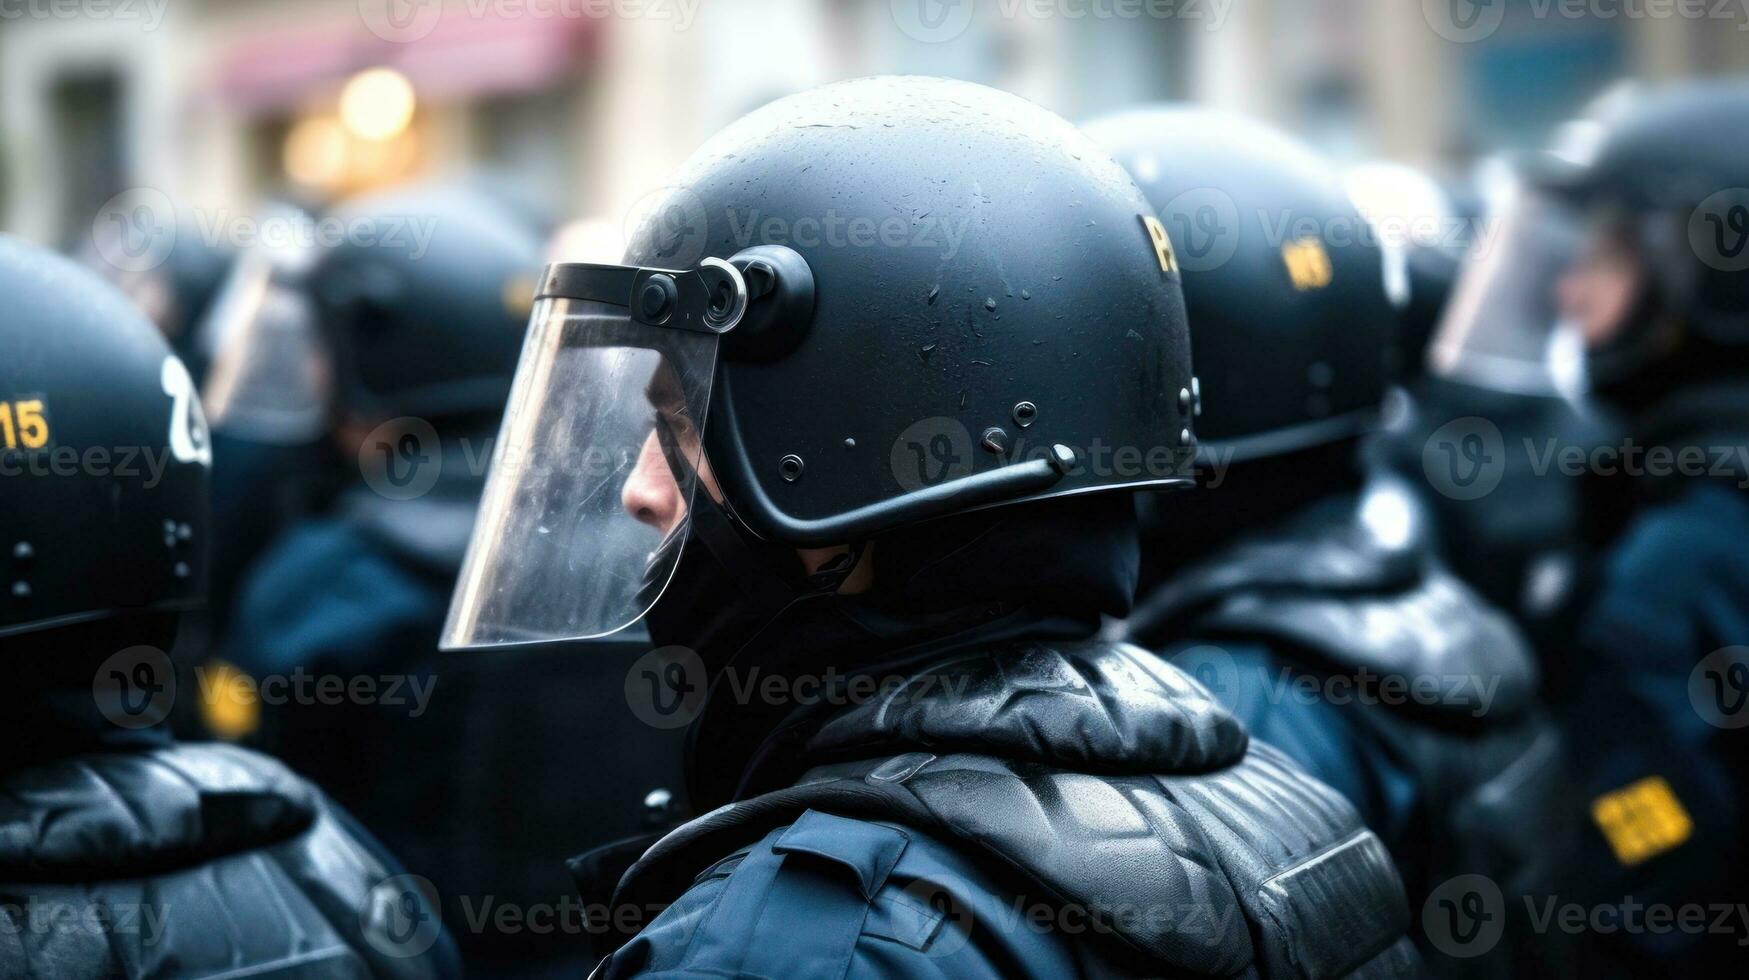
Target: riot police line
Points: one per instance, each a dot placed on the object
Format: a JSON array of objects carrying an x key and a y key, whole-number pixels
[{"x": 1143, "y": 648}]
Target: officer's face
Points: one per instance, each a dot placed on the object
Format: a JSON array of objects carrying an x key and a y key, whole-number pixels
[
  {"x": 651, "y": 494},
  {"x": 1597, "y": 292}
]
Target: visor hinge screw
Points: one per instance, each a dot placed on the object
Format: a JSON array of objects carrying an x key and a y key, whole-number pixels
[
  {"x": 790, "y": 468},
  {"x": 996, "y": 440},
  {"x": 656, "y": 297},
  {"x": 1025, "y": 413}
]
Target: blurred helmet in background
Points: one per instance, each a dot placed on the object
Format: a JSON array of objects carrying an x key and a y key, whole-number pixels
[
  {"x": 1293, "y": 334},
  {"x": 104, "y": 449},
  {"x": 176, "y": 288},
  {"x": 424, "y": 301}
]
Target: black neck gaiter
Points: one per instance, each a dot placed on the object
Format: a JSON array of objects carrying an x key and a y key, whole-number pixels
[
  {"x": 52, "y": 708},
  {"x": 1037, "y": 571}
]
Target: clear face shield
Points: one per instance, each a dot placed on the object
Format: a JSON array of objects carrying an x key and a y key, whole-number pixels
[
  {"x": 271, "y": 379},
  {"x": 599, "y": 455},
  {"x": 1506, "y": 327}
]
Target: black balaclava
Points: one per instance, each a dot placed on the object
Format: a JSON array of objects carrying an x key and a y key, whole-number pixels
[
  {"x": 1046, "y": 570},
  {"x": 52, "y": 712}
]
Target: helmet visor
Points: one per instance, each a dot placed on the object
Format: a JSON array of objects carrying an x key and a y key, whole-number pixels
[
  {"x": 598, "y": 456},
  {"x": 1500, "y": 329},
  {"x": 271, "y": 379}
]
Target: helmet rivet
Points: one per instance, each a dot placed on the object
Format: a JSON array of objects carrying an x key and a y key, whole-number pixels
[
  {"x": 995, "y": 440},
  {"x": 21, "y": 590},
  {"x": 1186, "y": 438},
  {"x": 22, "y": 551},
  {"x": 181, "y": 570},
  {"x": 1062, "y": 459},
  {"x": 790, "y": 468},
  {"x": 1184, "y": 402},
  {"x": 850, "y": 444},
  {"x": 1025, "y": 413}
]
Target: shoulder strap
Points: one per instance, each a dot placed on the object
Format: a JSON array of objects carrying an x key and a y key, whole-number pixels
[{"x": 824, "y": 870}]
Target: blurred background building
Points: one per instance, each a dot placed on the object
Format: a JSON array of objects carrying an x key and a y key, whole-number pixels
[{"x": 585, "y": 105}]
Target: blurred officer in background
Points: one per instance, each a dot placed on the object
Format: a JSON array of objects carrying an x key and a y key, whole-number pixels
[
  {"x": 1306, "y": 597},
  {"x": 883, "y": 631},
  {"x": 418, "y": 317},
  {"x": 399, "y": 341},
  {"x": 1649, "y": 196},
  {"x": 1480, "y": 375},
  {"x": 123, "y": 853}
]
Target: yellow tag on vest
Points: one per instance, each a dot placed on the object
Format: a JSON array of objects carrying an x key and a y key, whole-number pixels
[
  {"x": 1308, "y": 264},
  {"x": 1642, "y": 820}
]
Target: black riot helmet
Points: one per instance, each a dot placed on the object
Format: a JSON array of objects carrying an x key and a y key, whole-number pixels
[
  {"x": 1672, "y": 167},
  {"x": 1293, "y": 333},
  {"x": 1645, "y": 195},
  {"x": 424, "y": 299},
  {"x": 859, "y": 308},
  {"x": 104, "y": 454}
]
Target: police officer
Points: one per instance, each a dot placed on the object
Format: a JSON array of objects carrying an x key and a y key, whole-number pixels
[
  {"x": 1649, "y": 192},
  {"x": 123, "y": 853},
  {"x": 1303, "y": 593},
  {"x": 417, "y": 320},
  {"x": 1483, "y": 372},
  {"x": 403, "y": 337},
  {"x": 842, "y": 432}
]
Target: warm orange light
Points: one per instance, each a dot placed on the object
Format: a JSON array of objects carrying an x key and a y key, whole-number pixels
[
  {"x": 377, "y": 104},
  {"x": 317, "y": 152}
]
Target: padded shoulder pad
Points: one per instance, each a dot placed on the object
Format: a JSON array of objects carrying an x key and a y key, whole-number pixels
[
  {"x": 121, "y": 812},
  {"x": 1255, "y": 866},
  {"x": 1467, "y": 655}
]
